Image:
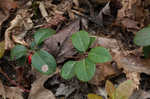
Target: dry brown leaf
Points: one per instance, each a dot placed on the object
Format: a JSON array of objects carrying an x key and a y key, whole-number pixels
[
  {"x": 18, "y": 29},
  {"x": 130, "y": 63},
  {"x": 38, "y": 91},
  {"x": 60, "y": 44},
  {"x": 6, "y": 6},
  {"x": 13, "y": 93},
  {"x": 10, "y": 92},
  {"x": 103, "y": 71},
  {"x": 132, "y": 15}
]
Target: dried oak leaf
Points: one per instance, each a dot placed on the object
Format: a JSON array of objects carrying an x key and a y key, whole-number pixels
[{"x": 60, "y": 44}]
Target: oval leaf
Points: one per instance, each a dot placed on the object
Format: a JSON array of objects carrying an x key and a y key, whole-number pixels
[
  {"x": 18, "y": 51},
  {"x": 99, "y": 55},
  {"x": 2, "y": 48},
  {"x": 85, "y": 70},
  {"x": 81, "y": 40},
  {"x": 110, "y": 89},
  {"x": 92, "y": 39},
  {"x": 43, "y": 34},
  {"x": 142, "y": 37},
  {"x": 146, "y": 51},
  {"x": 67, "y": 71},
  {"x": 125, "y": 90},
  {"x": 94, "y": 96},
  {"x": 44, "y": 62}
]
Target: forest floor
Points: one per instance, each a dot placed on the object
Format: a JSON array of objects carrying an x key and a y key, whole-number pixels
[{"x": 114, "y": 23}]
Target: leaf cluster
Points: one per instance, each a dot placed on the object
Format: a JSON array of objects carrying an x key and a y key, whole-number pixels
[
  {"x": 41, "y": 60},
  {"x": 85, "y": 68}
]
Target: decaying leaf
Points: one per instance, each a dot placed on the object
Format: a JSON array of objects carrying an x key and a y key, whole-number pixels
[
  {"x": 103, "y": 71},
  {"x": 18, "y": 29},
  {"x": 6, "y": 6},
  {"x": 60, "y": 44},
  {"x": 94, "y": 96},
  {"x": 10, "y": 92},
  {"x": 38, "y": 91},
  {"x": 64, "y": 90},
  {"x": 2, "y": 48},
  {"x": 107, "y": 15},
  {"x": 124, "y": 59},
  {"x": 132, "y": 15}
]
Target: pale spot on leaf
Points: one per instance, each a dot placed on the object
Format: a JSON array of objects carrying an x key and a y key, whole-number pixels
[{"x": 44, "y": 68}]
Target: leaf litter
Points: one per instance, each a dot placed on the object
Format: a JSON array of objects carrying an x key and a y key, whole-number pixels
[{"x": 115, "y": 19}]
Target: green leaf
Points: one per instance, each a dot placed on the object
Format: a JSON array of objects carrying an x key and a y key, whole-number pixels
[
  {"x": 42, "y": 34},
  {"x": 110, "y": 89},
  {"x": 142, "y": 37},
  {"x": 125, "y": 90},
  {"x": 92, "y": 39},
  {"x": 94, "y": 96},
  {"x": 99, "y": 55},
  {"x": 18, "y": 51},
  {"x": 146, "y": 51},
  {"x": 2, "y": 48},
  {"x": 67, "y": 71},
  {"x": 44, "y": 62},
  {"x": 85, "y": 70},
  {"x": 81, "y": 40},
  {"x": 21, "y": 61}
]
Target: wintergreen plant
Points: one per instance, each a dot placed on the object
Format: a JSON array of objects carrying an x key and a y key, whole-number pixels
[
  {"x": 85, "y": 68},
  {"x": 142, "y": 38},
  {"x": 41, "y": 60}
]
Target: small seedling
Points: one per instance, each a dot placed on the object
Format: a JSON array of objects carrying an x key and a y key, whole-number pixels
[
  {"x": 123, "y": 91},
  {"x": 142, "y": 38},
  {"x": 85, "y": 68},
  {"x": 38, "y": 58}
]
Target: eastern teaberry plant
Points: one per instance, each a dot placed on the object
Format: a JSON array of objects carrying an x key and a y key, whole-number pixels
[
  {"x": 85, "y": 68},
  {"x": 142, "y": 38},
  {"x": 41, "y": 60}
]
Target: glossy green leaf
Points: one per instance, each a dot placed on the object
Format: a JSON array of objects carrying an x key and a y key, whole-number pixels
[
  {"x": 85, "y": 70},
  {"x": 81, "y": 40},
  {"x": 44, "y": 62},
  {"x": 92, "y": 39},
  {"x": 146, "y": 51},
  {"x": 99, "y": 55},
  {"x": 67, "y": 72},
  {"x": 125, "y": 90},
  {"x": 110, "y": 89},
  {"x": 2, "y": 48},
  {"x": 94, "y": 96},
  {"x": 42, "y": 34},
  {"x": 142, "y": 37},
  {"x": 18, "y": 51}
]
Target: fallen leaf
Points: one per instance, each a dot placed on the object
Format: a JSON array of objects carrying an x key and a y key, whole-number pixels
[
  {"x": 2, "y": 48},
  {"x": 140, "y": 94},
  {"x": 64, "y": 90},
  {"x": 94, "y": 96},
  {"x": 38, "y": 91},
  {"x": 107, "y": 15},
  {"x": 60, "y": 44},
  {"x": 125, "y": 90},
  {"x": 103, "y": 71},
  {"x": 6, "y": 6},
  {"x": 18, "y": 29},
  {"x": 10, "y": 92}
]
